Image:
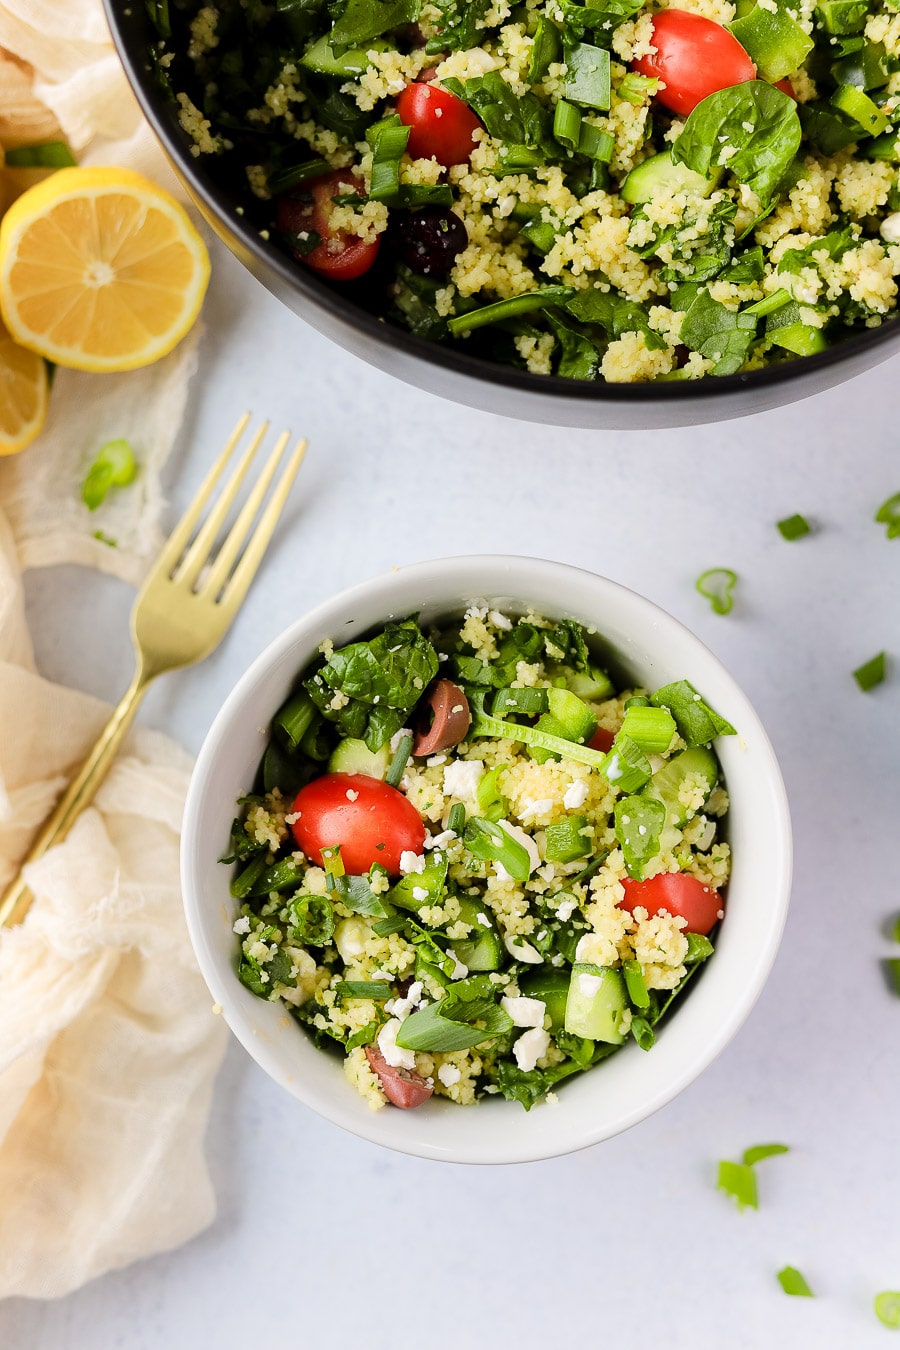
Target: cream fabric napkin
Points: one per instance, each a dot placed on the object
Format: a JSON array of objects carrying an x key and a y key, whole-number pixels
[{"x": 108, "y": 1044}]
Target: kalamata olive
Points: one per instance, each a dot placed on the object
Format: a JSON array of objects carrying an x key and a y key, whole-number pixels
[
  {"x": 402, "y": 1087},
  {"x": 451, "y": 719},
  {"x": 430, "y": 240}
]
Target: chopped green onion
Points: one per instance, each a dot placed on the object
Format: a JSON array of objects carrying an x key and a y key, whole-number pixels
[
  {"x": 887, "y": 1308},
  {"x": 385, "y": 176},
  {"x": 50, "y": 155},
  {"x": 699, "y": 949},
  {"x": 567, "y": 124},
  {"x": 312, "y": 920},
  {"x": 888, "y": 514},
  {"x": 334, "y": 867},
  {"x": 739, "y": 1181},
  {"x": 375, "y": 989},
  {"x": 242, "y": 885},
  {"x": 860, "y": 109},
  {"x": 793, "y": 527},
  {"x": 456, "y": 821},
  {"x": 491, "y": 802},
  {"x": 114, "y": 466},
  {"x": 566, "y": 840},
  {"x": 279, "y": 876},
  {"x": 761, "y": 1151},
  {"x": 528, "y": 702},
  {"x": 625, "y": 767},
  {"x": 650, "y": 728},
  {"x": 596, "y": 143},
  {"x": 587, "y": 76},
  {"x": 643, "y": 1033},
  {"x": 431, "y": 1030},
  {"x": 295, "y": 718},
  {"x": 872, "y": 673},
  {"x": 400, "y": 761},
  {"x": 893, "y": 968},
  {"x": 793, "y": 1283},
  {"x": 639, "y": 823},
  {"x": 541, "y": 234},
  {"x": 634, "y": 983},
  {"x": 489, "y": 842},
  {"x": 497, "y": 729},
  {"x": 635, "y": 88},
  {"x": 717, "y": 585},
  {"x": 897, "y": 929},
  {"x": 384, "y": 927},
  {"x": 539, "y": 298},
  {"x": 286, "y": 179}
]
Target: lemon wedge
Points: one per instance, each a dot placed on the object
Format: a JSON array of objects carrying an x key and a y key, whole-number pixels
[
  {"x": 23, "y": 395},
  {"x": 100, "y": 269}
]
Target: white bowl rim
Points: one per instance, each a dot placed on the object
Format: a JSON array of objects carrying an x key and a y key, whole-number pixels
[{"x": 323, "y": 621}]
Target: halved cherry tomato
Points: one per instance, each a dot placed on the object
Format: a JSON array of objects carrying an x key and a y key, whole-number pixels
[
  {"x": 682, "y": 895},
  {"x": 602, "y": 740},
  {"x": 340, "y": 256},
  {"x": 403, "y": 1087},
  {"x": 694, "y": 57},
  {"x": 786, "y": 88},
  {"x": 372, "y": 822},
  {"x": 441, "y": 125}
]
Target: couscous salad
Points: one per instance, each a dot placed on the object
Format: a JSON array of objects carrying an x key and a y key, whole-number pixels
[
  {"x": 472, "y": 865},
  {"x": 616, "y": 191}
]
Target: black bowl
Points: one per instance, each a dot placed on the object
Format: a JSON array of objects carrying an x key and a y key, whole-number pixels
[{"x": 450, "y": 373}]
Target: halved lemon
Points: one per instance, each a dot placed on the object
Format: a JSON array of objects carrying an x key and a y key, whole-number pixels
[
  {"x": 23, "y": 395},
  {"x": 100, "y": 269}
]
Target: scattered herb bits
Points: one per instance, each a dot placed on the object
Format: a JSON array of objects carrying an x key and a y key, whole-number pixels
[
  {"x": 888, "y": 514},
  {"x": 761, "y": 1151},
  {"x": 887, "y": 1308},
  {"x": 793, "y": 1283},
  {"x": 893, "y": 971},
  {"x": 114, "y": 466},
  {"x": 717, "y": 586},
  {"x": 872, "y": 673},
  {"x": 739, "y": 1181},
  {"x": 794, "y": 527}
]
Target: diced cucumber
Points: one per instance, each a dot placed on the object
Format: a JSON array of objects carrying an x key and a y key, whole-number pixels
[
  {"x": 572, "y": 713},
  {"x": 323, "y": 60},
  {"x": 352, "y": 756},
  {"x": 593, "y": 683},
  {"x": 661, "y": 176},
  {"x": 668, "y": 780},
  {"x": 482, "y": 949},
  {"x": 595, "y": 1003},
  {"x": 552, "y": 988}
]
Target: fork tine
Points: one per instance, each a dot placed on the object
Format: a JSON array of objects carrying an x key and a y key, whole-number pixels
[
  {"x": 198, "y": 554},
  {"x": 246, "y": 569},
  {"x": 227, "y": 555},
  {"x": 177, "y": 541}
]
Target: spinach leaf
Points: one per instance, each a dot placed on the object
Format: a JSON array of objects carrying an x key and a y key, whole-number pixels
[
  {"x": 528, "y": 1088},
  {"x": 368, "y": 688},
  {"x": 717, "y": 132},
  {"x": 614, "y": 314},
  {"x": 749, "y": 266},
  {"x": 509, "y": 118},
  {"x": 579, "y": 358},
  {"x": 356, "y": 893},
  {"x": 717, "y": 333},
  {"x": 361, "y": 20},
  {"x": 697, "y": 722},
  {"x": 600, "y": 20},
  {"x": 459, "y": 26}
]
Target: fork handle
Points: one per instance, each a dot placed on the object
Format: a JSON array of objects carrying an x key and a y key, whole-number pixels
[{"x": 79, "y": 794}]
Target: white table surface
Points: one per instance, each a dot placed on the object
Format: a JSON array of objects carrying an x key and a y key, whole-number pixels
[{"x": 322, "y": 1239}]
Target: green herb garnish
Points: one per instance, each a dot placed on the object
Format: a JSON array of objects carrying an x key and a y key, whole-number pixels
[
  {"x": 739, "y": 1181},
  {"x": 793, "y": 1283},
  {"x": 888, "y": 514},
  {"x": 717, "y": 585},
  {"x": 794, "y": 527},
  {"x": 872, "y": 673},
  {"x": 887, "y": 1308},
  {"x": 114, "y": 466}
]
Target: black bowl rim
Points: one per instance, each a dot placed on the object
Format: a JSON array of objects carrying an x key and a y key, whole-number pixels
[{"x": 123, "y": 17}]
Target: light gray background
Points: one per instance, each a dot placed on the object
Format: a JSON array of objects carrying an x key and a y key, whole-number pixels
[{"x": 322, "y": 1239}]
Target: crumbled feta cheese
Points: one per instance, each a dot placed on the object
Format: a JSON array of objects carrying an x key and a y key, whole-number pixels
[
  {"x": 398, "y": 737},
  {"x": 392, "y": 1052},
  {"x": 461, "y": 778},
  {"x": 520, "y": 950},
  {"x": 419, "y": 893},
  {"x": 483, "y": 920},
  {"x": 500, "y": 620},
  {"x": 529, "y": 1048},
  {"x": 525, "y": 1012},
  {"x": 613, "y": 770},
  {"x": 459, "y": 971},
  {"x": 440, "y": 840},
  {"x": 402, "y": 1007},
  {"x": 890, "y": 228},
  {"x": 292, "y": 818},
  {"x": 589, "y": 985},
  {"x": 351, "y": 795},
  {"x": 241, "y": 925},
  {"x": 411, "y": 862},
  {"x": 434, "y": 760},
  {"x": 449, "y": 1074},
  {"x": 566, "y": 908},
  {"x": 575, "y": 794}
]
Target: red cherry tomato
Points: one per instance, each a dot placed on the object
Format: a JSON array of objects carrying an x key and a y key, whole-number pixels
[
  {"x": 403, "y": 1087},
  {"x": 340, "y": 256},
  {"x": 682, "y": 895},
  {"x": 694, "y": 57},
  {"x": 372, "y": 822},
  {"x": 441, "y": 125},
  {"x": 786, "y": 88},
  {"x": 602, "y": 740}
]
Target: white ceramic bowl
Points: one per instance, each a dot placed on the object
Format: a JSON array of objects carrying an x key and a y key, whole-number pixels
[{"x": 653, "y": 649}]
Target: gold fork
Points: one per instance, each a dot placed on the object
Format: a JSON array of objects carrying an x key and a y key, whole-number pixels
[{"x": 181, "y": 613}]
